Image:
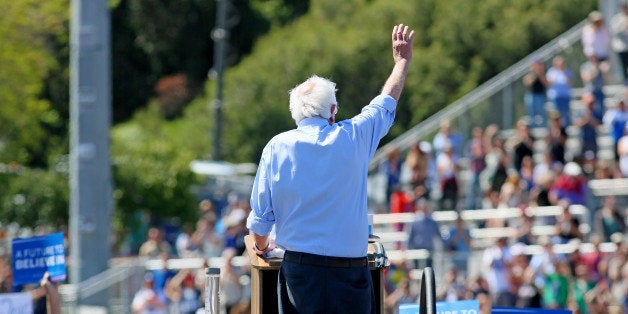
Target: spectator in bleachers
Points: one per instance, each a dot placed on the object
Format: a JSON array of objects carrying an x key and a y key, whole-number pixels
[
  {"x": 161, "y": 276},
  {"x": 567, "y": 226},
  {"x": 523, "y": 226},
  {"x": 419, "y": 169},
  {"x": 496, "y": 263},
  {"x": 146, "y": 301},
  {"x": 459, "y": 243},
  {"x": 210, "y": 241},
  {"x": 447, "y": 168},
  {"x": 581, "y": 285},
  {"x": 556, "y": 288},
  {"x": 588, "y": 120},
  {"x": 517, "y": 270},
  {"x": 6, "y": 275},
  {"x": 600, "y": 300},
  {"x": 596, "y": 37},
  {"x": 183, "y": 294},
  {"x": 450, "y": 290},
  {"x": 556, "y": 138},
  {"x": 230, "y": 280},
  {"x": 155, "y": 244},
  {"x": 391, "y": 169},
  {"x": 592, "y": 259},
  {"x": 423, "y": 232},
  {"x": 528, "y": 294},
  {"x": 615, "y": 119},
  {"x": 476, "y": 153},
  {"x": 411, "y": 167},
  {"x": 536, "y": 94},
  {"x": 608, "y": 220},
  {"x": 512, "y": 193},
  {"x": 496, "y": 171},
  {"x": 445, "y": 135},
  {"x": 402, "y": 294},
  {"x": 401, "y": 202},
  {"x": 570, "y": 185},
  {"x": 543, "y": 264},
  {"x": 622, "y": 153},
  {"x": 619, "y": 37},
  {"x": 559, "y": 78},
  {"x": 236, "y": 230},
  {"x": 395, "y": 273},
  {"x": 539, "y": 195},
  {"x": 594, "y": 75},
  {"x": 526, "y": 174},
  {"x": 521, "y": 145},
  {"x": 184, "y": 244},
  {"x": 618, "y": 282},
  {"x": 475, "y": 287}
]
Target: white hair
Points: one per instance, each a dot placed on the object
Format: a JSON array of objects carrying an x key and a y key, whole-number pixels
[{"x": 312, "y": 98}]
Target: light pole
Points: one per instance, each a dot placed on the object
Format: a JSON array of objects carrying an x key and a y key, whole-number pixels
[
  {"x": 220, "y": 34},
  {"x": 90, "y": 121}
]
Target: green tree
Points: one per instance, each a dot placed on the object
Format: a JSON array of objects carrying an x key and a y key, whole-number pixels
[
  {"x": 29, "y": 30},
  {"x": 460, "y": 45},
  {"x": 35, "y": 197},
  {"x": 151, "y": 172}
]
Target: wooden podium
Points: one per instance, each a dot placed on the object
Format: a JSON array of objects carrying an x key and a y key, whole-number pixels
[{"x": 264, "y": 273}]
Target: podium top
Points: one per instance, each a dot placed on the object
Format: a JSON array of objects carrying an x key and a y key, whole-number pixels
[
  {"x": 275, "y": 262},
  {"x": 258, "y": 261}
]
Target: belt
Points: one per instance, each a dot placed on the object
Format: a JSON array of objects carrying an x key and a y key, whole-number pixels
[{"x": 321, "y": 260}]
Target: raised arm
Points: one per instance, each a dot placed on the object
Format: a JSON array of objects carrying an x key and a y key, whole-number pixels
[{"x": 402, "y": 54}]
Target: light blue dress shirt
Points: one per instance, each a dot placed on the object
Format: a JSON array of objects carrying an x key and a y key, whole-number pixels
[{"x": 311, "y": 182}]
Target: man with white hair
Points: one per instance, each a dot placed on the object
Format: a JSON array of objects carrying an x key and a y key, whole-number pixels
[{"x": 311, "y": 186}]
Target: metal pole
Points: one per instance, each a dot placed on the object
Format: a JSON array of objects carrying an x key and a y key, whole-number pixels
[
  {"x": 90, "y": 120},
  {"x": 219, "y": 34}
]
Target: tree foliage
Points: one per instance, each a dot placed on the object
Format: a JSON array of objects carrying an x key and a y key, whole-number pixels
[
  {"x": 459, "y": 45},
  {"x": 29, "y": 31}
]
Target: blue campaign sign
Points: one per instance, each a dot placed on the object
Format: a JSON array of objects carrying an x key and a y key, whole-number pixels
[
  {"x": 32, "y": 257},
  {"x": 512, "y": 310},
  {"x": 458, "y": 307}
]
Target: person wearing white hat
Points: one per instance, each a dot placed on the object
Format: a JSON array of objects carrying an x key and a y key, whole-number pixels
[
  {"x": 596, "y": 37},
  {"x": 569, "y": 186}
]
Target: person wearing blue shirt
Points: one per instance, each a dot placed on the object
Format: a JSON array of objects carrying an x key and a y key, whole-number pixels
[{"x": 311, "y": 187}]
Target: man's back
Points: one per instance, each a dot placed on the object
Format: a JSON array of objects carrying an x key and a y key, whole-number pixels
[{"x": 318, "y": 171}]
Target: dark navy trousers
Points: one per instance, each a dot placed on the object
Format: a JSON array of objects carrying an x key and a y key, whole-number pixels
[{"x": 304, "y": 288}]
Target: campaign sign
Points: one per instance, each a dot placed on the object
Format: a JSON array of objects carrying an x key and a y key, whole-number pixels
[
  {"x": 458, "y": 307},
  {"x": 32, "y": 257},
  {"x": 512, "y": 310}
]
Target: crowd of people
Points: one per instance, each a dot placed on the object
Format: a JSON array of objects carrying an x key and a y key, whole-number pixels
[
  {"x": 166, "y": 290},
  {"x": 532, "y": 166}
]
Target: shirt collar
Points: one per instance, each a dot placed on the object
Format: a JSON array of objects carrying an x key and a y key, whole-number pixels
[{"x": 313, "y": 122}]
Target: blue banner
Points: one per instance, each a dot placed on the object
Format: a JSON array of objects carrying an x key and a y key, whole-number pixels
[
  {"x": 458, "y": 307},
  {"x": 32, "y": 257},
  {"x": 473, "y": 307},
  {"x": 512, "y": 310}
]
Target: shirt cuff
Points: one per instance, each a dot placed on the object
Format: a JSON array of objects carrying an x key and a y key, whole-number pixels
[{"x": 257, "y": 225}]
